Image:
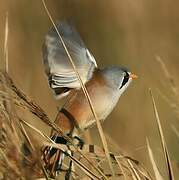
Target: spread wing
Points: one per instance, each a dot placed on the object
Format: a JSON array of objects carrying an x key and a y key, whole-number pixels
[{"x": 58, "y": 67}]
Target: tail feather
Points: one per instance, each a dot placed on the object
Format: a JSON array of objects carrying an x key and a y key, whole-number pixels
[{"x": 53, "y": 158}]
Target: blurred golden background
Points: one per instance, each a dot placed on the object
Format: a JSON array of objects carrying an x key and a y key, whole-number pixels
[{"x": 124, "y": 33}]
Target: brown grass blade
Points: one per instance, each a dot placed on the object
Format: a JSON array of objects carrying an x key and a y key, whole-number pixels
[
  {"x": 164, "y": 147},
  {"x": 101, "y": 133},
  {"x": 9, "y": 164},
  {"x": 83, "y": 167},
  {"x": 46, "y": 138},
  {"x": 133, "y": 170},
  {"x": 34, "y": 108},
  {"x": 31, "y": 144},
  {"x": 87, "y": 171},
  {"x": 49, "y": 142},
  {"x": 121, "y": 168},
  {"x": 6, "y": 42},
  {"x": 152, "y": 160},
  {"x": 26, "y": 136}
]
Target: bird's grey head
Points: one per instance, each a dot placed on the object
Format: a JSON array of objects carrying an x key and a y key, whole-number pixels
[{"x": 117, "y": 77}]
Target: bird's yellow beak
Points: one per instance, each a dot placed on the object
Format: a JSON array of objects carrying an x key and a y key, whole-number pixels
[{"x": 133, "y": 76}]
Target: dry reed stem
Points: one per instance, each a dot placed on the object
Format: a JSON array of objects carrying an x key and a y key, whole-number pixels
[
  {"x": 152, "y": 160},
  {"x": 162, "y": 138},
  {"x": 6, "y": 42},
  {"x": 40, "y": 113},
  {"x": 134, "y": 172},
  {"x": 10, "y": 149},
  {"x": 17, "y": 124},
  {"x": 51, "y": 143},
  {"x": 121, "y": 168},
  {"x": 26, "y": 136},
  {"x": 8, "y": 102},
  {"x": 101, "y": 133},
  {"x": 121, "y": 155},
  {"x": 35, "y": 109}
]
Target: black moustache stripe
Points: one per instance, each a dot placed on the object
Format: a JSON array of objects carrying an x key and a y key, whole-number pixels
[{"x": 125, "y": 80}]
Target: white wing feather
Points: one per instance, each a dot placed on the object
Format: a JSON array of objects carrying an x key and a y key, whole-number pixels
[{"x": 57, "y": 65}]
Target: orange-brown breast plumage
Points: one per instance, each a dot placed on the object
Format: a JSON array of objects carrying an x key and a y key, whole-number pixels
[{"x": 78, "y": 105}]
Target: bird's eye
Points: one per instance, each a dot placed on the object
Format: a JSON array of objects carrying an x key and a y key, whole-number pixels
[{"x": 125, "y": 79}]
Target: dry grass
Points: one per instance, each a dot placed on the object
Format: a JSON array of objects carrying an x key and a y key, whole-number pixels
[
  {"x": 15, "y": 133},
  {"x": 17, "y": 163},
  {"x": 20, "y": 151},
  {"x": 154, "y": 165},
  {"x": 162, "y": 139},
  {"x": 98, "y": 123}
]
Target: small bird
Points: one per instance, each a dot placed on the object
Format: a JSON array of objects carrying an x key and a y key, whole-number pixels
[{"x": 104, "y": 86}]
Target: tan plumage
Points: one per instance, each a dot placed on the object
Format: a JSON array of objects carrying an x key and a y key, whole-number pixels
[
  {"x": 103, "y": 96},
  {"x": 104, "y": 86}
]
